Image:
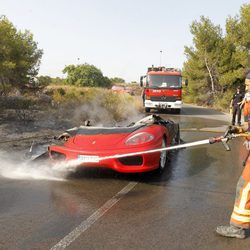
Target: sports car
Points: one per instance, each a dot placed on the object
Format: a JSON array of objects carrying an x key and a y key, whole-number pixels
[{"x": 101, "y": 146}]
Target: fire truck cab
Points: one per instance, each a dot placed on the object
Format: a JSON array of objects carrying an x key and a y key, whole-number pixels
[{"x": 162, "y": 89}]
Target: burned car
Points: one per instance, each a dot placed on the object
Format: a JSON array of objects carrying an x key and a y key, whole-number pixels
[{"x": 92, "y": 146}]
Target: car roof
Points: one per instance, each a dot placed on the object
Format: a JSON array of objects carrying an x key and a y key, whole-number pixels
[
  {"x": 144, "y": 122},
  {"x": 107, "y": 130}
]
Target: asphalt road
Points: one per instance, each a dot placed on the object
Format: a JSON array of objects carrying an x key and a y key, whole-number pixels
[{"x": 101, "y": 209}]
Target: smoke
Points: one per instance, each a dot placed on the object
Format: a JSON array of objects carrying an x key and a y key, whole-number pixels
[
  {"x": 95, "y": 112},
  {"x": 119, "y": 111},
  {"x": 12, "y": 168}
]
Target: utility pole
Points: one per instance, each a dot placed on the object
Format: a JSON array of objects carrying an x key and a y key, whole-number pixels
[{"x": 160, "y": 57}]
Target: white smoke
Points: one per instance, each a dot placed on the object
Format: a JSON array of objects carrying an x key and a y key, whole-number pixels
[
  {"x": 101, "y": 116},
  {"x": 13, "y": 168},
  {"x": 94, "y": 112}
]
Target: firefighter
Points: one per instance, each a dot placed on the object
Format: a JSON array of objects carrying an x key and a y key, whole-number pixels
[
  {"x": 236, "y": 106},
  {"x": 240, "y": 218}
]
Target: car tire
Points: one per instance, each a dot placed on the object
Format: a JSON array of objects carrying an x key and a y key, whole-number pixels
[
  {"x": 163, "y": 156},
  {"x": 147, "y": 110},
  {"x": 178, "y": 111}
]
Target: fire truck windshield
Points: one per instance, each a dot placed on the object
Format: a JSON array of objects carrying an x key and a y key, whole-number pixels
[{"x": 164, "y": 81}]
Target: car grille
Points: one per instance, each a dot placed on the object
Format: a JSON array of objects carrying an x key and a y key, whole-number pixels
[
  {"x": 131, "y": 160},
  {"x": 163, "y": 98}
]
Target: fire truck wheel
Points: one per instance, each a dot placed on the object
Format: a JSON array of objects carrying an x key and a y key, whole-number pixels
[{"x": 147, "y": 110}]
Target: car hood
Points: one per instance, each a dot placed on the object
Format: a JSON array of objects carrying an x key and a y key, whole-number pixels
[
  {"x": 98, "y": 142},
  {"x": 102, "y": 138}
]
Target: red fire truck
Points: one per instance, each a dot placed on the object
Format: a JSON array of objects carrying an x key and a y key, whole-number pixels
[{"x": 162, "y": 89}]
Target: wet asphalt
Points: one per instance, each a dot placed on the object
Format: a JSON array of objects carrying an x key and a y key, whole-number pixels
[{"x": 179, "y": 209}]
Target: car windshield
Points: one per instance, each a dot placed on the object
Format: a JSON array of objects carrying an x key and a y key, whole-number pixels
[{"x": 164, "y": 81}]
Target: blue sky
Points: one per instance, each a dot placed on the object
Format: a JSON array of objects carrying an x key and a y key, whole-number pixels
[{"x": 122, "y": 38}]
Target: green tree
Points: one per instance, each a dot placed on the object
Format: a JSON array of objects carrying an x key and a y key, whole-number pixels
[
  {"x": 216, "y": 64},
  {"x": 57, "y": 81},
  {"x": 44, "y": 80},
  {"x": 238, "y": 38},
  {"x": 19, "y": 55},
  {"x": 116, "y": 80},
  {"x": 85, "y": 75},
  {"x": 204, "y": 58}
]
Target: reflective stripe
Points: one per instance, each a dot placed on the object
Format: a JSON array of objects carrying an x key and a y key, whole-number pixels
[
  {"x": 244, "y": 196},
  {"x": 241, "y": 211},
  {"x": 240, "y": 218}
]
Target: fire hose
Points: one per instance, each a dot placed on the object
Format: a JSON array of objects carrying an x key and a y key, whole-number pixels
[{"x": 223, "y": 139}]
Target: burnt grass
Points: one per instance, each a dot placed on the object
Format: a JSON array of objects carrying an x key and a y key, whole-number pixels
[
  {"x": 19, "y": 128},
  {"x": 37, "y": 117}
]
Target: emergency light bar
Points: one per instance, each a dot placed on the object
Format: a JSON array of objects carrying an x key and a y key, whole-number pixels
[{"x": 163, "y": 69}]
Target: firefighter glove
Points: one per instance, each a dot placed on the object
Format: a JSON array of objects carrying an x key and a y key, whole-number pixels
[{"x": 235, "y": 130}]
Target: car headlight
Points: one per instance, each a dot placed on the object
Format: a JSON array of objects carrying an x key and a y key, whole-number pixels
[{"x": 139, "y": 138}]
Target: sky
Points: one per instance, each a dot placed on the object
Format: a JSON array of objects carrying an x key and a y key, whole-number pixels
[{"x": 121, "y": 38}]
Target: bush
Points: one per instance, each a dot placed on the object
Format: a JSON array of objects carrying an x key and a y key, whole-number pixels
[
  {"x": 5, "y": 89},
  {"x": 22, "y": 107},
  {"x": 61, "y": 91},
  {"x": 17, "y": 102}
]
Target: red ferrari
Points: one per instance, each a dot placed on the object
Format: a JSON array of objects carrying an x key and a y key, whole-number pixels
[{"x": 95, "y": 146}]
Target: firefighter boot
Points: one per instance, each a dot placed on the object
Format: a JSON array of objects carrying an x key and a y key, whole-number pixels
[{"x": 231, "y": 231}]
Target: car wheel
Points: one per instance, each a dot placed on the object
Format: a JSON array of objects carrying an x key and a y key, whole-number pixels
[
  {"x": 178, "y": 111},
  {"x": 163, "y": 156},
  {"x": 147, "y": 110}
]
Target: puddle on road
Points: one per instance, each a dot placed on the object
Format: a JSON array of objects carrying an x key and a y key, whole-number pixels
[{"x": 23, "y": 170}]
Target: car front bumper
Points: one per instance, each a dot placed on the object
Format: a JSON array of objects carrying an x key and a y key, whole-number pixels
[
  {"x": 129, "y": 164},
  {"x": 163, "y": 105}
]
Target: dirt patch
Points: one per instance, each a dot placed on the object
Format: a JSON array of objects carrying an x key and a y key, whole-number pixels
[
  {"x": 17, "y": 134},
  {"x": 37, "y": 118}
]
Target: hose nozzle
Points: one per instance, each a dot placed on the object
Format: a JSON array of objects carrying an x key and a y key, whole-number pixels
[{"x": 224, "y": 139}]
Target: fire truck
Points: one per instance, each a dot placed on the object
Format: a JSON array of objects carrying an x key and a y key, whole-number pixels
[{"x": 162, "y": 89}]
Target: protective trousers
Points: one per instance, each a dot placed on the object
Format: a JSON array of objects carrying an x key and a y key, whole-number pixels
[
  {"x": 246, "y": 111},
  {"x": 236, "y": 112},
  {"x": 241, "y": 213}
]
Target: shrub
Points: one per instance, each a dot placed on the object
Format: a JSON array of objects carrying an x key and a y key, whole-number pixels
[{"x": 61, "y": 91}]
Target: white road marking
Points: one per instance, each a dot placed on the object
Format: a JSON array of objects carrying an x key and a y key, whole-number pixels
[{"x": 73, "y": 235}]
